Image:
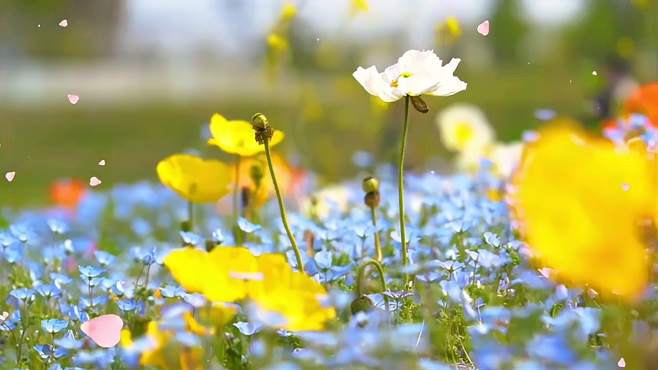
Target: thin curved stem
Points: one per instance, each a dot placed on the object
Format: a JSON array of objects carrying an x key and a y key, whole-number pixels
[
  {"x": 403, "y": 147},
  {"x": 379, "y": 256},
  {"x": 382, "y": 280},
  {"x": 282, "y": 208}
]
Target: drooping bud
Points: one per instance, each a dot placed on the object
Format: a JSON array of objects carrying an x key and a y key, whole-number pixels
[
  {"x": 361, "y": 304},
  {"x": 370, "y": 184},
  {"x": 419, "y": 104}
]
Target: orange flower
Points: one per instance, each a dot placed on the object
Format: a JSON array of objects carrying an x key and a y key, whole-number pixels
[
  {"x": 644, "y": 101},
  {"x": 290, "y": 178},
  {"x": 67, "y": 193}
]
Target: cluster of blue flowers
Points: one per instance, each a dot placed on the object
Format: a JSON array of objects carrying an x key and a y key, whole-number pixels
[{"x": 476, "y": 301}]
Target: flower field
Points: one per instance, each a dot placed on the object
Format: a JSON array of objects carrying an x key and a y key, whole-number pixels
[{"x": 537, "y": 252}]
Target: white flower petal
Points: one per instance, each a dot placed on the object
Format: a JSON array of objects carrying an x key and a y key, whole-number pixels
[
  {"x": 374, "y": 83},
  {"x": 448, "y": 86}
]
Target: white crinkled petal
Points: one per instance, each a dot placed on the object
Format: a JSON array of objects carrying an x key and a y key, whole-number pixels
[
  {"x": 448, "y": 83},
  {"x": 374, "y": 83}
]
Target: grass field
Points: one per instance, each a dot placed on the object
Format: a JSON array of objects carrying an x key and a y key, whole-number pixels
[{"x": 43, "y": 144}]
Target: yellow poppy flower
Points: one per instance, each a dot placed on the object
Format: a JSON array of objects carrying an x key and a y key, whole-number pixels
[
  {"x": 231, "y": 268},
  {"x": 580, "y": 203},
  {"x": 219, "y": 275},
  {"x": 230, "y": 274},
  {"x": 297, "y": 297},
  {"x": 237, "y": 137},
  {"x": 195, "y": 179},
  {"x": 169, "y": 355},
  {"x": 189, "y": 267}
]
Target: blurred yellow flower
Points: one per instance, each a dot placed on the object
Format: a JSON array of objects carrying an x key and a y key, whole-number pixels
[
  {"x": 232, "y": 274},
  {"x": 219, "y": 275},
  {"x": 580, "y": 203},
  {"x": 195, "y": 179},
  {"x": 237, "y": 137},
  {"x": 360, "y": 6},
  {"x": 448, "y": 31},
  {"x": 288, "y": 12},
  {"x": 295, "y": 296},
  {"x": 167, "y": 354}
]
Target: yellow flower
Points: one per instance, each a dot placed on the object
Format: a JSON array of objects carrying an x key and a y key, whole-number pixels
[
  {"x": 360, "y": 6},
  {"x": 219, "y": 313},
  {"x": 189, "y": 266},
  {"x": 580, "y": 202},
  {"x": 288, "y": 12},
  {"x": 237, "y": 137},
  {"x": 231, "y": 274},
  {"x": 195, "y": 179},
  {"x": 126, "y": 339},
  {"x": 167, "y": 354},
  {"x": 295, "y": 296},
  {"x": 219, "y": 275},
  {"x": 448, "y": 31}
]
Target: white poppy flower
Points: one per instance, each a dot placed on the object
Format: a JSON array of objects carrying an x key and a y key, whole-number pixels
[
  {"x": 464, "y": 128},
  {"x": 416, "y": 73}
]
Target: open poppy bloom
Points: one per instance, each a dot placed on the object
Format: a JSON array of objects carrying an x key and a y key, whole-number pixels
[
  {"x": 231, "y": 274},
  {"x": 195, "y": 179},
  {"x": 581, "y": 204},
  {"x": 237, "y": 137},
  {"x": 416, "y": 73},
  {"x": 644, "y": 101}
]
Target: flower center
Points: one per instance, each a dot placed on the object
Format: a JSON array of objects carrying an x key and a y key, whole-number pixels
[
  {"x": 394, "y": 83},
  {"x": 463, "y": 133}
]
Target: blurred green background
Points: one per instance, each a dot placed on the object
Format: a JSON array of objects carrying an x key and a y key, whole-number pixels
[{"x": 150, "y": 73}]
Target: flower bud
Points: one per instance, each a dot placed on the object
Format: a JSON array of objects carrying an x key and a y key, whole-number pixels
[
  {"x": 419, "y": 104},
  {"x": 259, "y": 121},
  {"x": 361, "y": 304},
  {"x": 370, "y": 184},
  {"x": 256, "y": 173},
  {"x": 372, "y": 199}
]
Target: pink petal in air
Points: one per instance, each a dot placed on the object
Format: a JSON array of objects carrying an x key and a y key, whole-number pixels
[
  {"x": 483, "y": 28},
  {"x": 104, "y": 330}
]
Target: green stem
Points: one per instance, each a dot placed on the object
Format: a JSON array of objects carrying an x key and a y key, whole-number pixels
[
  {"x": 379, "y": 256},
  {"x": 382, "y": 280},
  {"x": 403, "y": 147},
  {"x": 236, "y": 203},
  {"x": 190, "y": 215},
  {"x": 282, "y": 208}
]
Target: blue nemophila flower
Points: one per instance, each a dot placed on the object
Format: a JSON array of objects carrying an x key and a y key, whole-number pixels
[
  {"x": 23, "y": 294},
  {"x": 104, "y": 258},
  {"x": 68, "y": 341},
  {"x": 217, "y": 236},
  {"x": 48, "y": 290},
  {"x": 127, "y": 305},
  {"x": 47, "y": 351},
  {"x": 144, "y": 256},
  {"x": 171, "y": 291},
  {"x": 58, "y": 227},
  {"x": 90, "y": 272},
  {"x": 54, "y": 326},
  {"x": 190, "y": 238},
  {"x": 247, "y": 226}
]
